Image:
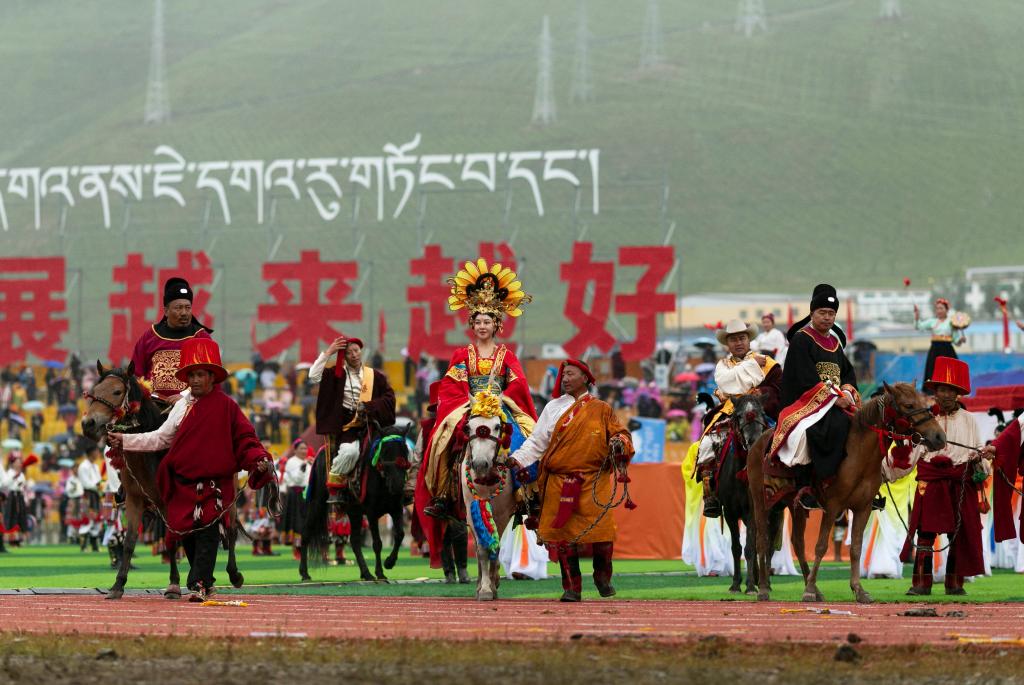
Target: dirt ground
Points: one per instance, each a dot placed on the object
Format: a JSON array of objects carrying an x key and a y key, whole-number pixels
[{"x": 141, "y": 660}]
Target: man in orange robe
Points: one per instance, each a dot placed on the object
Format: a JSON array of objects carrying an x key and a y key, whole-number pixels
[{"x": 571, "y": 443}]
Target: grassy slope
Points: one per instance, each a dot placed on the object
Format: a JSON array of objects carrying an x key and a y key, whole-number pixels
[
  {"x": 59, "y": 566},
  {"x": 853, "y": 149}
]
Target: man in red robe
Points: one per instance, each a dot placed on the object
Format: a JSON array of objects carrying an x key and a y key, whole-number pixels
[
  {"x": 158, "y": 350},
  {"x": 1008, "y": 451},
  {"x": 210, "y": 441}
]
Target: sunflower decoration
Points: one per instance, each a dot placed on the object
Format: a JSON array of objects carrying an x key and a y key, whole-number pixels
[{"x": 486, "y": 289}]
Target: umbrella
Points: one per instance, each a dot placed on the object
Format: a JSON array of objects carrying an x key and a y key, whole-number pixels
[
  {"x": 704, "y": 342},
  {"x": 686, "y": 377},
  {"x": 65, "y": 463},
  {"x": 42, "y": 447},
  {"x": 53, "y": 364},
  {"x": 68, "y": 408},
  {"x": 675, "y": 414},
  {"x": 33, "y": 405},
  {"x": 706, "y": 367},
  {"x": 302, "y": 366},
  {"x": 11, "y": 444},
  {"x": 16, "y": 418}
]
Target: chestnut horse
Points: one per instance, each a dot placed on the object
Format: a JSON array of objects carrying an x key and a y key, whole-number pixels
[
  {"x": 118, "y": 401},
  {"x": 900, "y": 408}
]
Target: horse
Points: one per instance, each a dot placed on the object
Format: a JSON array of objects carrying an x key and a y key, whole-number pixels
[
  {"x": 899, "y": 409},
  {"x": 488, "y": 493},
  {"x": 383, "y": 464},
  {"x": 118, "y": 400}
]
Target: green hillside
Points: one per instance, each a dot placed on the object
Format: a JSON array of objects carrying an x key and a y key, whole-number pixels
[{"x": 836, "y": 146}]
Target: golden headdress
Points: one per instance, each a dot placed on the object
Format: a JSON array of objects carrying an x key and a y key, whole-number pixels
[{"x": 490, "y": 290}]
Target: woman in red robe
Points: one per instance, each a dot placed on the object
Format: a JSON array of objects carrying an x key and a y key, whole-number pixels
[{"x": 489, "y": 293}]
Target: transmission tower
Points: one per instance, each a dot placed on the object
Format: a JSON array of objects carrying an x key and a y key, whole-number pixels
[
  {"x": 158, "y": 106},
  {"x": 650, "y": 49},
  {"x": 750, "y": 16},
  {"x": 544, "y": 101},
  {"x": 582, "y": 87},
  {"x": 891, "y": 10}
]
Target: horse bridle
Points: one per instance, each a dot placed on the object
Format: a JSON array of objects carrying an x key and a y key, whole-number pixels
[
  {"x": 909, "y": 417},
  {"x": 118, "y": 412},
  {"x": 485, "y": 433}
]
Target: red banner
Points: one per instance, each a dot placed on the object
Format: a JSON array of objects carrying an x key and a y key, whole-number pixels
[{"x": 32, "y": 307}]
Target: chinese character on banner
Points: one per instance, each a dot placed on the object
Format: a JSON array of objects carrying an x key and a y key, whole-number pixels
[
  {"x": 307, "y": 318},
  {"x": 132, "y": 308},
  {"x": 502, "y": 254},
  {"x": 647, "y": 302},
  {"x": 429, "y": 334},
  {"x": 582, "y": 274},
  {"x": 195, "y": 268},
  {"x": 31, "y": 304}
]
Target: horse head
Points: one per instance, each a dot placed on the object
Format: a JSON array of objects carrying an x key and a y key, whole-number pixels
[
  {"x": 749, "y": 420},
  {"x": 486, "y": 434},
  {"x": 912, "y": 413},
  {"x": 116, "y": 395}
]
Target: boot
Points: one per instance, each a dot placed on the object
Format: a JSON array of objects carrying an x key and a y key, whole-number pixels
[
  {"x": 603, "y": 568},
  {"x": 805, "y": 495},
  {"x": 922, "y": 578},
  {"x": 464, "y": 578},
  {"x": 712, "y": 507},
  {"x": 438, "y": 508},
  {"x": 267, "y": 550},
  {"x": 569, "y": 565},
  {"x": 83, "y": 540},
  {"x": 339, "y": 553},
  {"x": 954, "y": 584},
  {"x": 94, "y": 542},
  {"x": 257, "y": 551}
]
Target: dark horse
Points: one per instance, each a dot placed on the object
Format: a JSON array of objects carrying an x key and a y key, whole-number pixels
[
  {"x": 748, "y": 423},
  {"x": 901, "y": 409},
  {"x": 118, "y": 403},
  {"x": 383, "y": 466}
]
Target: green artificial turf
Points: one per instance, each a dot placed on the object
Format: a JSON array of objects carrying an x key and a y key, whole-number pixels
[{"x": 65, "y": 567}]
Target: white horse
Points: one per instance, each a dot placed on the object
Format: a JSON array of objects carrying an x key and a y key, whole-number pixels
[{"x": 489, "y": 495}]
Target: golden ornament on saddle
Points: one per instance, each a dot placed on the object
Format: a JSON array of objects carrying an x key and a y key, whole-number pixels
[
  {"x": 486, "y": 404},
  {"x": 960, "y": 320},
  {"x": 486, "y": 289}
]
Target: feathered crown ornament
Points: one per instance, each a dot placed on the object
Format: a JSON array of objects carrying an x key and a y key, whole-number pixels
[{"x": 490, "y": 290}]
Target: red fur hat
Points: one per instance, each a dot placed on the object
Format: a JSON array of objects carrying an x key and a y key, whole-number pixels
[{"x": 582, "y": 366}]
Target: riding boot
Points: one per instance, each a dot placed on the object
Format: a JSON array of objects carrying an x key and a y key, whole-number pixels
[
  {"x": 712, "y": 507},
  {"x": 94, "y": 541},
  {"x": 448, "y": 563},
  {"x": 257, "y": 551},
  {"x": 805, "y": 495},
  {"x": 438, "y": 508},
  {"x": 267, "y": 550},
  {"x": 954, "y": 582},
  {"x": 922, "y": 577},
  {"x": 603, "y": 568},
  {"x": 569, "y": 564},
  {"x": 339, "y": 553}
]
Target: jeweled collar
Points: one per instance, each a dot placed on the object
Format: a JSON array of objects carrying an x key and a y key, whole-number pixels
[{"x": 829, "y": 343}]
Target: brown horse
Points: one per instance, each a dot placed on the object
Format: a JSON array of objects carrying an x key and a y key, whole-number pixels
[
  {"x": 117, "y": 400},
  {"x": 901, "y": 408}
]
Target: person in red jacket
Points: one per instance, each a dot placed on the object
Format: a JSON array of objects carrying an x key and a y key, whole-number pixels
[{"x": 209, "y": 441}]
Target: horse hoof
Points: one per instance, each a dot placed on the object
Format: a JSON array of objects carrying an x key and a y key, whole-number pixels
[
  {"x": 485, "y": 597},
  {"x": 864, "y": 598},
  {"x": 305, "y": 578},
  {"x": 734, "y": 589},
  {"x": 811, "y": 597},
  {"x": 237, "y": 580},
  {"x": 367, "y": 577},
  {"x": 172, "y": 595},
  {"x": 381, "y": 579},
  {"x": 114, "y": 594},
  {"x": 389, "y": 563},
  {"x": 763, "y": 596},
  {"x": 818, "y": 597}
]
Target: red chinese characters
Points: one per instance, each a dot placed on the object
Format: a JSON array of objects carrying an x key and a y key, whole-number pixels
[
  {"x": 646, "y": 303},
  {"x": 32, "y": 309},
  {"x": 307, "y": 318},
  {"x": 133, "y": 308},
  {"x": 429, "y": 320}
]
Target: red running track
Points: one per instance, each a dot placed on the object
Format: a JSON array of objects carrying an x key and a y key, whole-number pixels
[{"x": 406, "y": 617}]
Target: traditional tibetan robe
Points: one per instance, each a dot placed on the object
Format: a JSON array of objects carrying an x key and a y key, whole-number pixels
[
  {"x": 570, "y": 467},
  {"x": 740, "y": 377},
  {"x": 196, "y": 477},
  {"x": 945, "y": 491},
  {"x": 811, "y": 426},
  {"x": 1008, "y": 463},
  {"x": 157, "y": 353}
]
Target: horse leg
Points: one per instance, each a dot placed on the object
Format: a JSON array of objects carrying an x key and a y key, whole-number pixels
[
  {"x": 750, "y": 554},
  {"x": 860, "y": 520},
  {"x": 734, "y": 532},
  {"x": 355, "y": 517},
  {"x": 133, "y": 517},
  {"x": 755, "y": 482},
  {"x": 231, "y": 538},
  {"x": 798, "y": 529},
  {"x": 397, "y": 535},
  {"x": 811, "y": 592},
  {"x": 378, "y": 546},
  {"x": 173, "y": 590}
]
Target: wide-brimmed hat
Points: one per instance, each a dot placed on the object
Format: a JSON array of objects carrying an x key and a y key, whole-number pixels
[
  {"x": 200, "y": 353},
  {"x": 736, "y": 326},
  {"x": 952, "y": 372}
]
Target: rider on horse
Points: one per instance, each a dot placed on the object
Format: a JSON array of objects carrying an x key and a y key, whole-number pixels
[
  {"x": 741, "y": 372},
  {"x": 489, "y": 293},
  {"x": 158, "y": 350}
]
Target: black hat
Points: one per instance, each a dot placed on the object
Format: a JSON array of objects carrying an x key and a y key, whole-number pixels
[
  {"x": 824, "y": 297},
  {"x": 177, "y": 288}
]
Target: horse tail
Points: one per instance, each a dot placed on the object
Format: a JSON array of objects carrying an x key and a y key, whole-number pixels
[{"x": 315, "y": 534}]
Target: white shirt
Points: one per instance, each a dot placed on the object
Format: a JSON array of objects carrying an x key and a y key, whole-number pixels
[
  {"x": 294, "y": 475},
  {"x": 113, "y": 477},
  {"x": 89, "y": 475},
  {"x": 772, "y": 341},
  {"x": 960, "y": 427},
  {"x": 162, "y": 437},
  {"x": 738, "y": 378},
  {"x": 537, "y": 444}
]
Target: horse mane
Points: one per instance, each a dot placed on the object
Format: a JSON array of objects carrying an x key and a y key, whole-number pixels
[{"x": 872, "y": 411}]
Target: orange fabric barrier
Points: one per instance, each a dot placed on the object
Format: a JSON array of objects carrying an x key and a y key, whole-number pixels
[{"x": 654, "y": 530}]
